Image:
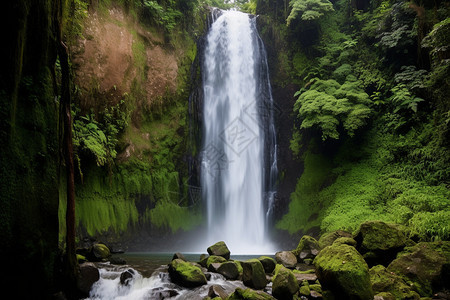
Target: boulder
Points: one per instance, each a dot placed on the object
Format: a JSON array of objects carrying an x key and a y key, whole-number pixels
[
  {"x": 268, "y": 263},
  {"x": 100, "y": 252},
  {"x": 343, "y": 271},
  {"x": 379, "y": 242},
  {"x": 186, "y": 274},
  {"x": 88, "y": 275},
  {"x": 161, "y": 293},
  {"x": 345, "y": 240},
  {"x": 229, "y": 270},
  {"x": 126, "y": 277},
  {"x": 285, "y": 285},
  {"x": 390, "y": 283},
  {"x": 308, "y": 247},
  {"x": 178, "y": 255},
  {"x": 249, "y": 294},
  {"x": 217, "y": 291},
  {"x": 214, "y": 259},
  {"x": 253, "y": 274},
  {"x": 425, "y": 266},
  {"x": 286, "y": 258},
  {"x": 327, "y": 239},
  {"x": 117, "y": 260},
  {"x": 311, "y": 277},
  {"x": 219, "y": 249}
]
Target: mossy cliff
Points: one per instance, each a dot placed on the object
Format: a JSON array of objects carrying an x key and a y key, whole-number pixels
[
  {"x": 29, "y": 154},
  {"x": 362, "y": 103},
  {"x": 131, "y": 132}
]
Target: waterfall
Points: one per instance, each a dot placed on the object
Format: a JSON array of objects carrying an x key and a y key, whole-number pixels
[{"x": 239, "y": 147}]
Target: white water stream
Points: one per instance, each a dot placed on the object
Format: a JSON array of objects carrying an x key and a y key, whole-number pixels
[{"x": 237, "y": 120}]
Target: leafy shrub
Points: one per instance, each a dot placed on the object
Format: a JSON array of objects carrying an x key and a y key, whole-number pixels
[
  {"x": 403, "y": 99},
  {"x": 308, "y": 10}
]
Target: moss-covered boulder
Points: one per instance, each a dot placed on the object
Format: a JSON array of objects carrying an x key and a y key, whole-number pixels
[
  {"x": 214, "y": 259},
  {"x": 249, "y": 294},
  {"x": 285, "y": 284},
  {"x": 253, "y": 274},
  {"x": 343, "y": 271},
  {"x": 327, "y": 239},
  {"x": 379, "y": 242},
  {"x": 229, "y": 270},
  {"x": 425, "y": 266},
  {"x": 219, "y": 249},
  {"x": 286, "y": 258},
  {"x": 308, "y": 247},
  {"x": 345, "y": 240},
  {"x": 388, "y": 282},
  {"x": 268, "y": 263},
  {"x": 100, "y": 252},
  {"x": 185, "y": 274}
]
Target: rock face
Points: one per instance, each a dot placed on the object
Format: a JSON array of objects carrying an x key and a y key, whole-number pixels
[
  {"x": 268, "y": 263},
  {"x": 390, "y": 285},
  {"x": 308, "y": 247},
  {"x": 219, "y": 249},
  {"x": 286, "y": 258},
  {"x": 379, "y": 242},
  {"x": 343, "y": 271},
  {"x": 285, "y": 284},
  {"x": 186, "y": 274},
  {"x": 88, "y": 275},
  {"x": 253, "y": 274},
  {"x": 249, "y": 294},
  {"x": 425, "y": 266}
]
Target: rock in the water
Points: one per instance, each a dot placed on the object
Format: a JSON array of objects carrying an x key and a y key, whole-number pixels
[
  {"x": 213, "y": 267},
  {"x": 249, "y": 294},
  {"x": 387, "y": 282},
  {"x": 426, "y": 266},
  {"x": 327, "y": 239},
  {"x": 161, "y": 294},
  {"x": 178, "y": 255},
  {"x": 286, "y": 258},
  {"x": 219, "y": 249},
  {"x": 308, "y": 247},
  {"x": 268, "y": 263},
  {"x": 343, "y": 271},
  {"x": 229, "y": 270},
  {"x": 88, "y": 275},
  {"x": 100, "y": 252},
  {"x": 126, "y": 277},
  {"x": 379, "y": 242},
  {"x": 217, "y": 291},
  {"x": 214, "y": 259},
  {"x": 185, "y": 274},
  {"x": 253, "y": 274},
  {"x": 117, "y": 260},
  {"x": 285, "y": 284}
]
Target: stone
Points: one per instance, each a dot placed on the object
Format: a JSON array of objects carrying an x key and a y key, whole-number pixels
[
  {"x": 249, "y": 294},
  {"x": 185, "y": 274},
  {"x": 268, "y": 263},
  {"x": 88, "y": 275},
  {"x": 213, "y": 267},
  {"x": 253, "y": 274},
  {"x": 219, "y": 249},
  {"x": 286, "y": 258},
  {"x": 229, "y": 270},
  {"x": 311, "y": 278},
  {"x": 100, "y": 252},
  {"x": 327, "y": 239},
  {"x": 161, "y": 294},
  {"x": 343, "y": 271},
  {"x": 285, "y": 285},
  {"x": 178, "y": 255},
  {"x": 217, "y": 291},
  {"x": 425, "y": 266},
  {"x": 308, "y": 247},
  {"x": 379, "y": 242},
  {"x": 214, "y": 259},
  {"x": 117, "y": 260},
  {"x": 126, "y": 277},
  {"x": 345, "y": 240},
  {"x": 386, "y": 296},
  {"x": 387, "y": 282}
]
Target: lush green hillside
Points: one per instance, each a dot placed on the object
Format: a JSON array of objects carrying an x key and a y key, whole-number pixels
[{"x": 371, "y": 115}]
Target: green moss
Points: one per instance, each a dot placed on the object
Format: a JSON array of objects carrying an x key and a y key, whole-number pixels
[{"x": 169, "y": 215}]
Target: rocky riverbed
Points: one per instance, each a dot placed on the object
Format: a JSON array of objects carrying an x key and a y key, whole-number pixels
[{"x": 378, "y": 261}]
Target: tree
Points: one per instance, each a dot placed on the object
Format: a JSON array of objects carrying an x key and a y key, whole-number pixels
[{"x": 308, "y": 10}]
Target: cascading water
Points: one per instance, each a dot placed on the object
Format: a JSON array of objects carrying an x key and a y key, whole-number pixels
[{"x": 239, "y": 147}]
